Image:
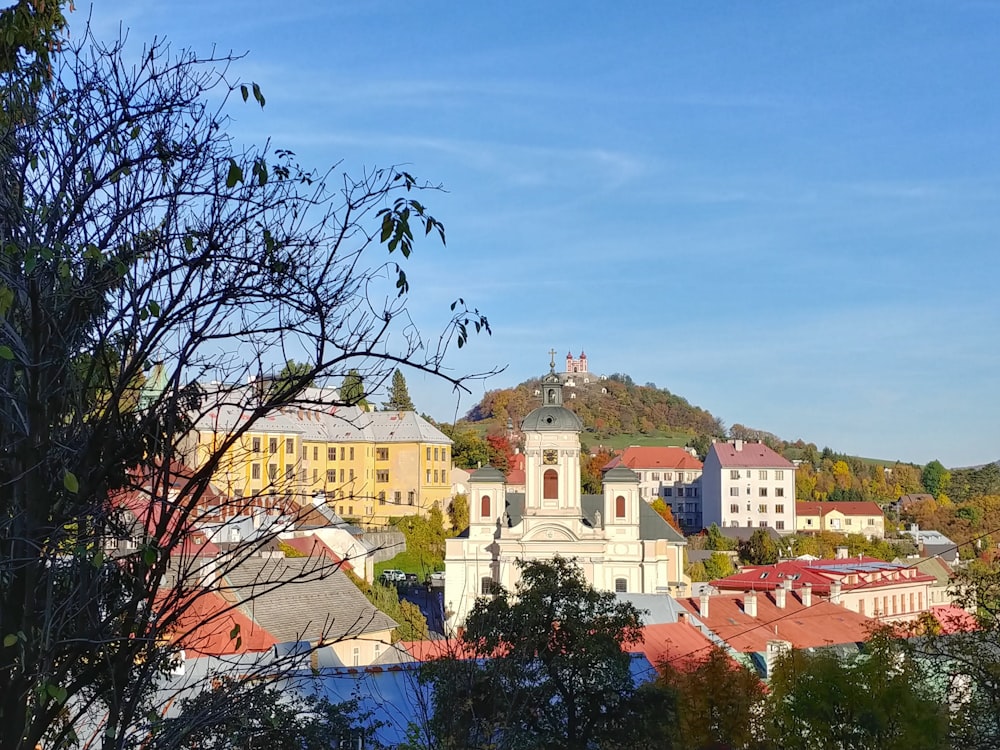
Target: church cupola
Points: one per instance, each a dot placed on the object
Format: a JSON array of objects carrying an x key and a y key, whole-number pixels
[{"x": 552, "y": 415}]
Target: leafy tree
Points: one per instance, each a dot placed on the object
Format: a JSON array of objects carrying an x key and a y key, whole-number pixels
[
  {"x": 701, "y": 444},
  {"x": 352, "y": 391},
  {"x": 718, "y": 566},
  {"x": 591, "y": 478},
  {"x": 935, "y": 479},
  {"x": 458, "y": 513},
  {"x": 130, "y": 222},
  {"x": 500, "y": 450},
  {"x": 882, "y": 699},
  {"x": 759, "y": 549},
  {"x": 399, "y": 395},
  {"x": 468, "y": 450},
  {"x": 548, "y": 668},
  {"x": 411, "y": 623},
  {"x": 663, "y": 510},
  {"x": 719, "y": 702},
  {"x": 425, "y": 537},
  {"x": 715, "y": 540}
]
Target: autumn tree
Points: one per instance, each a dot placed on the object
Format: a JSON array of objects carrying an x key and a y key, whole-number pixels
[
  {"x": 936, "y": 479},
  {"x": 458, "y": 512},
  {"x": 399, "y": 395},
  {"x": 133, "y": 227},
  {"x": 664, "y": 512}
]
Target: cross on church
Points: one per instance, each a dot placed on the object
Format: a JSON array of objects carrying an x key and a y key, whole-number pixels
[{"x": 552, "y": 362}]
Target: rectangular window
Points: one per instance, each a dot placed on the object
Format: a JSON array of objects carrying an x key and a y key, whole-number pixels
[
  {"x": 694, "y": 492},
  {"x": 734, "y": 492},
  {"x": 656, "y": 476},
  {"x": 290, "y": 446},
  {"x": 734, "y": 508},
  {"x": 255, "y": 471},
  {"x": 435, "y": 476},
  {"x": 381, "y": 454},
  {"x": 668, "y": 491},
  {"x": 763, "y": 524},
  {"x": 382, "y": 476},
  {"x": 779, "y": 491},
  {"x": 411, "y": 497},
  {"x": 435, "y": 454},
  {"x": 668, "y": 476},
  {"x": 428, "y": 476},
  {"x": 331, "y": 475},
  {"x": 315, "y": 453},
  {"x": 331, "y": 454},
  {"x": 352, "y": 475},
  {"x": 486, "y": 587},
  {"x": 762, "y": 509},
  {"x": 849, "y": 521},
  {"x": 272, "y": 445},
  {"x": 734, "y": 474},
  {"x": 762, "y": 474},
  {"x": 779, "y": 525},
  {"x": 256, "y": 445},
  {"x": 444, "y": 454},
  {"x": 350, "y": 510},
  {"x": 315, "y": 475},
  {"x": 621, "y": 586},
  {"x": 779, "y": 508},
  {"x": 342, "y": 453},
  {"x": 272, "y": 472},
  {"x": 397, "y": 497},
  {"x": 302, "y": 476},
  {"x": 352, "y": 452},
  {"x": 871, "y": 521},
  {"x": 341, "y": 475},
  {"x": 381, "y": 497},
  {"x": 289, "y": 472},
  {"x": 763, "y": 492},
  {"x": 779, "y": 474},
  {"x": 428, "y": 453}
]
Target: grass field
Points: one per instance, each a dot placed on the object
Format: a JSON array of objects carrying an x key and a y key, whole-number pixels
[
  {"x": 618, "y": 442},
  {"x": 404, "y": 561}
]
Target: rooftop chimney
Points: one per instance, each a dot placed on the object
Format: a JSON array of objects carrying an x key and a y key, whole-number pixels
[
  {"x": 738, "y": 445},
  {"x": 779, "y": 597},
  {"x": 835, "y": 592},
  {"x": 806, "y": 592},
  {"x": 703, "y": 604},
  {"x": 750, "y": 603},
  {"x": 682, "y": 617},
  {"x": 841, "y": 553}
]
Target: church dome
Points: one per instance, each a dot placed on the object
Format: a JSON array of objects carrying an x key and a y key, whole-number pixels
[{"x": 551, "y": 418}]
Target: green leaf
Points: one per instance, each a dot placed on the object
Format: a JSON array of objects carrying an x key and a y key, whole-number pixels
[
  {"x": 149, "y": 556},
  {"x": 9, "y": 640},
  {"x": 57, "y": 692},
  {"x": 6, "y": 352},
  {"x": 244, "y": 91},
  {"x": 70, "y": 482},
  {"x": 258, "y": 96},
  {"x": 235, "y": 174},
  {"x": 98, "y": 560},
  {"x": 154, "y": 308},
  {"x": 235, "y": 632}
]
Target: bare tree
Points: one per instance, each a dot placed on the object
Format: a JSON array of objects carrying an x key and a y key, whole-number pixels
[{"x": 143, "y": 251}]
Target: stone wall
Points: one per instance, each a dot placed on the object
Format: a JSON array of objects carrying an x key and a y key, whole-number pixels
[{"x": 387, "y": 544}]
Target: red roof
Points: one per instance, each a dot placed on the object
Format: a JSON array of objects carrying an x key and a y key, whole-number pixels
[
  {"x": 822, "y": 624},
  {"x": 852, "y": 573},
  {"x": 750, "y": 455},
  {"x": 312, "y": 545},
  {"x": 206, "y": 626},
  {"x": 654, "y": 457},
  {"x": 679, "y": 643},
  {"x": 808, "y": 508},
  {"x": 954, "y": 619},
  {"x": 430, "y": 650}
]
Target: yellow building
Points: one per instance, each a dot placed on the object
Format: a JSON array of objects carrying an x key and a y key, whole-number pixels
[{"x": 368, "y": 466}]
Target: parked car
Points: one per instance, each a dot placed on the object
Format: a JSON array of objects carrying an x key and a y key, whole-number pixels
[
  {"x": 436, "y": 578},
  {"x": 391, "y": 575},
  {"x": 411, "y": 579}
]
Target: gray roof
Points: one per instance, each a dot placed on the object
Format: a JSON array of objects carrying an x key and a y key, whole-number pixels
[
  {"x": 302, "y": 599},
  {"x": 656, "y": 609},
  {"x": 621, "y": 474},
  {"x": 743, "y": 533},
  {"x": 487, "y": 474},
  {"x": 651, "y": 524},
  {"x": 316, "y": 418},
  {"x": 551, "y": 418}
]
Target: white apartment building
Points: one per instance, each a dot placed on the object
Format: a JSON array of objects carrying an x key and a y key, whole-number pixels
[{"x": 748, "y": 484}]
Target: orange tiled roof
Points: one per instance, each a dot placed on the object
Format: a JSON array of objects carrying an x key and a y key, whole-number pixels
[{"x": 654, "y": 457}]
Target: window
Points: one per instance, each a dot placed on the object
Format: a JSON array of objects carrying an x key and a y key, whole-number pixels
[
  {"x": 486, "y": 586},
  {"x": 342, "y": 453},
  {"x": 734, "y": 524},
  {"x": 435, "y": 476},
  {"x": 289, "y": 472},
  {"x": 484, "y": 507},
  {"x": 315, "y": 475},
  {"x": 305, "y": 453},
  {"x": 779, "y": 508},
  {"x": 357, "y": 656},
  {"x": 428, "y": 453},
  {"x": 397, "y": 497},
  {"x": 315, "y": 453},
  {"x": 444, "y": 454},
  {"x": 255, "y": 443},
  {"x": 779, "y": 491},
  {"x": 871, "y": 521},
  {"x": 849, "y": 521},
  {"x": 668, "y": 476},
  {"x": 381, "y": 454},
  {"x": 550, "y": 485},
  {"x": 762, "y": 509},
  {"x": 255, "y": 471},
  {"x": 341, "y": 475},
  {"x": 621, "y": 586},
  {"x": 352, "y": 453},
  {"x": 352, "y": 475},
  {"x": 656, "y": 476},
  {"x": 779, "y": 474},
  {"x": 734, "y": 492},
  {"x": 428, "y": 476},
  {"x": 734, "y": 508},
  {"x": 411, "y": 497},
  {"x": 331, "y": 454},
  {"x": 290, "y": 446},
  {"x": 668, "y": 491},
  {"x": 763, "y": 524},
  {"x": 272, "y": 445},
  {"x": 435, "y": 454},
  {"x": 779, "y": 525},
  {"x": 762, "y": 474},
  {"x": 734, "y": 474},
  {"x": 272, "y": 472},
  {"x": 331, "y": 475},
  {"x": 694, "y": 492},
  {"x": 382, "y": 476},
  {"x": 619, "y": 507}
]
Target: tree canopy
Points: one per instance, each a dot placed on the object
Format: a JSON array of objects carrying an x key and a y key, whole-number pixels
[{"x": 399, "y": 394}]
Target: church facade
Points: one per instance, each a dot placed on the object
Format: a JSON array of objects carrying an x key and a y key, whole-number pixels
[{"x": 619, "y": 542}]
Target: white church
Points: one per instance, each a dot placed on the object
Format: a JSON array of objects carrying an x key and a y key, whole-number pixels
[{"x": 619, "y": 542}]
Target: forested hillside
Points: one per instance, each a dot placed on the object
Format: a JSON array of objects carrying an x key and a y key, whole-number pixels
[{"x": 609, "y": 406}]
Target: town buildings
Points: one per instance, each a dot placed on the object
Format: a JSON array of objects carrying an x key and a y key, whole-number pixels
[
  {"x": 841, "y": 517},
  {"x": 618, "y": 541},
  {"x": 748, "y": 484},
  {"x": 368, "y": 466},
  {"x": 670, "y": 473}
]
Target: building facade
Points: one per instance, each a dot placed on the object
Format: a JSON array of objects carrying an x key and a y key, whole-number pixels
[
  {"x": 618, "y": 541},
  {"x": 669, "y": 473},
  {"x": 748, "y": 484},
  {"x": 841, "y": 517}
]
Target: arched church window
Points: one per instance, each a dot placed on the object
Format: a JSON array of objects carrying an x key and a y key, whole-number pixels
[
  {"x": 552, "y": 395},
  {"x": 550, "y": 485},
  {"x": 619, "y": 507},
  {"x": 484, "y": 506}
]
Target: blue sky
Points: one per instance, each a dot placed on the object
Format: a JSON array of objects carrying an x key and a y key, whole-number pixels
[{"x": 786, "y": 212}]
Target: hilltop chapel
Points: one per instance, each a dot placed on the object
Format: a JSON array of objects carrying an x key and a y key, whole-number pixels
[{"x": 620, "y": 543}]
